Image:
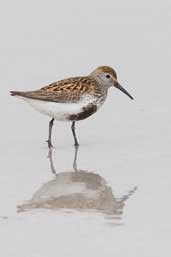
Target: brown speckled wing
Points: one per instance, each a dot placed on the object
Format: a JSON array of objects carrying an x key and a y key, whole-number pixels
[{"x": 68, "y": 90}]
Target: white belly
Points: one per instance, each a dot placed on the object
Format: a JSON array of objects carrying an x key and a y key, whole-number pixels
[{"x": 60, "y": 111}]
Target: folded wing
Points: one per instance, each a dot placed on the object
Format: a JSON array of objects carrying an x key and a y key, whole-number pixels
[{"x": 68, "y": 90}]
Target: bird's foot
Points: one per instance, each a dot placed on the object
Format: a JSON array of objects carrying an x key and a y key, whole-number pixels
[
  {"x": 76, "y": 144},
  {"x": 49, "y": 144}
]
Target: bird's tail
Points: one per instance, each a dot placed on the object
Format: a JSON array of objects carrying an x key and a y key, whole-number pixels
[{"x": 17, "y": 93}]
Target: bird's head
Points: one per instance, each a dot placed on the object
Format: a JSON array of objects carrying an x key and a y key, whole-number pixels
[{"x": 108, "y": 77}]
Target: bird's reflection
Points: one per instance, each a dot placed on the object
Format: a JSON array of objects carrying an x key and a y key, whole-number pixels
[{"x": 80, "y": 190}]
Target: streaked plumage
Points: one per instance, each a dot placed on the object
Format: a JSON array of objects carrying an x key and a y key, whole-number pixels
[{"x": 64, "y": 91}]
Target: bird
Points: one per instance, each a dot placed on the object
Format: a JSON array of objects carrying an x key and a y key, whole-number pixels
[{"x": 73, "y": 99}]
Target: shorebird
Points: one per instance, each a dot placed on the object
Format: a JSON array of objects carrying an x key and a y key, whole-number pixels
[{"x": 72, "y": 99}]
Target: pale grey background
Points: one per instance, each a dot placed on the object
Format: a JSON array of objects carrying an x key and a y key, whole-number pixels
[{"x": 127, "y": 142}]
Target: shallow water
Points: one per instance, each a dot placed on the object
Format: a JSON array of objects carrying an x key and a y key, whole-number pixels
[
  {"x": 109, "y": 198},
  {"x": 68, "y": 202},
  {"x": 112, "y": 197}
]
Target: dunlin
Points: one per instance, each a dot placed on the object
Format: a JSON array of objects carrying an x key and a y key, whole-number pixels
[{"x": 72, "y": 99}]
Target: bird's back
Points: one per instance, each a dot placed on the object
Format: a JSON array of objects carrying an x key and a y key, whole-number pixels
[{"x": 67, "y": 90}]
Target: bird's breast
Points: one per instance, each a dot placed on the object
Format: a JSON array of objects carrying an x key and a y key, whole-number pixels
[{"x": 85, "y": 108}]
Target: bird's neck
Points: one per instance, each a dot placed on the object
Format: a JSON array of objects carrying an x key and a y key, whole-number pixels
[{"x": 100, "y": 86}]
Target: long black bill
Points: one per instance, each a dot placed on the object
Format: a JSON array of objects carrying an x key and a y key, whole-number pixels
[{"x": 117, "y": 85}]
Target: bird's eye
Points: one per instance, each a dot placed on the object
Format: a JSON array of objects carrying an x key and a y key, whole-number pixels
[{"x": 108, "y": 76}]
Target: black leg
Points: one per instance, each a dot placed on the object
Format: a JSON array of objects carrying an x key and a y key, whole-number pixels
[
  {"x": 74, "y": 135},
  {"x": 50, "y": 133}
]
